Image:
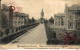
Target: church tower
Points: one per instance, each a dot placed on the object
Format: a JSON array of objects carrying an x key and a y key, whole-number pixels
[{"x": 42, "y": 16}]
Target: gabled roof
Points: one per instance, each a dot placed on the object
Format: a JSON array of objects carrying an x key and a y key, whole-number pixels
[{"x": 74, "y": 7}]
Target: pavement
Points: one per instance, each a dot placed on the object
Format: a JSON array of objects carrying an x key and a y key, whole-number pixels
[{"x": 36, "y": 35}]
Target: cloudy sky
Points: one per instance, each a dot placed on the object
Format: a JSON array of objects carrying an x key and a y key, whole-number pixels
[{"x": 34, "y": 7}]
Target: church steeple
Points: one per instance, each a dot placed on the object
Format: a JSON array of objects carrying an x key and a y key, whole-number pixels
[
  {"x": 42, "y": 13},
  {"x": 42, "y": 16}
]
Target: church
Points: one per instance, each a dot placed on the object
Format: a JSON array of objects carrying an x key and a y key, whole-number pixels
[{"x": 42, "y": 16}]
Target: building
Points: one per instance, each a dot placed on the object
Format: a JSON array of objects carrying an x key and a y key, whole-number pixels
[
  {"x": 14, "y": 21},
  {"x": 26, "y": 19},
  {"x": 59, "y": 20},
  {"x": 18, "y": 20},
  {"x": 72, "y": 17},
  {"x": 42, "y": 16}
]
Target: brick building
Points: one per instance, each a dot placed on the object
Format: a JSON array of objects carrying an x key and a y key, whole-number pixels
[{"x": 72, "y": 17}]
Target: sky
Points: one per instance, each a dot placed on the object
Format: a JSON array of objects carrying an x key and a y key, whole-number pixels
[{"x": 34, "y": 7}]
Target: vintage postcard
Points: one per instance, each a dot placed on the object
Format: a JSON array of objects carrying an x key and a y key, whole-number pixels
[{"x": 39, "y": 24}]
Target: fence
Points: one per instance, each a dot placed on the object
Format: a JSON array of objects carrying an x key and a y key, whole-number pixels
[{"x": 13, "y": 33}]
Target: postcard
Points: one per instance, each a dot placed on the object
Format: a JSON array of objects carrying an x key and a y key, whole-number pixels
[{"x": 39, "y": 24}]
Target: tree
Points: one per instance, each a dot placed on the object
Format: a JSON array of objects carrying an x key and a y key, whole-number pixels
[
  {"x": 51, "y": 20},
  {"x": 33, "y": 20},
  {"x": 5, "y": 7},
  {"x": 46, "y": 20}
]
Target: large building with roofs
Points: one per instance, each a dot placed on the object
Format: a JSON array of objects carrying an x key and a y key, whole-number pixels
[
  {"x": 59, "y": 20},
  {"x": 20, "y": 19},
  {"x": 26, "y": 18},
  {"x": 72, "y": 16},
  {"x": 17, "y": 20}
]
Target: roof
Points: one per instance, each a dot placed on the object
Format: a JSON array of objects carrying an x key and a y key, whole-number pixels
[
  {"x": 23, "y": 14},
  {"x": 20, "y": 14},
  {"x": 15, "y": 14},
  {"x": 60, "y": 14},
  {"x": 74, "y": 7}
]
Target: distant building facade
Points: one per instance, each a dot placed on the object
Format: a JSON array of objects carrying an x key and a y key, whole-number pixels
[
  {"x": 72, "y": 16},
  {"x": 14, "y": 20},
  {"x": 26, "y": 19},
  {"x": 20, "y": 19},
  {"x": 59, "y": 20}
]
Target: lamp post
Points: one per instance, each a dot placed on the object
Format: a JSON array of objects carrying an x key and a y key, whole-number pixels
[{"x": 0, "y": 17}]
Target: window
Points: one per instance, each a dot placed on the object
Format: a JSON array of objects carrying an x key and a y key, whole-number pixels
[
  {"x": 15, "y": 18},
  {"x": 59, "y": 23},
  {"x": 15, "y": 22},
  {"x": 70, "y": 24},
  {"x": 19, "y": 18},
  {"x": 78, "y": 23},
  {"x": 62, "y": 21},
  {"x": 55, "y": 23},
  {"x": 75, "y": 24},
  {"x": 56, "y": 18},
  {"x": 70, "y": 17}
]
